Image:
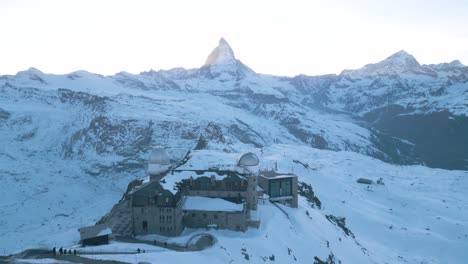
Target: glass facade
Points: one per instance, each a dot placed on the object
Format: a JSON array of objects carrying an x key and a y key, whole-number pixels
[
  {"x": 275, "y": 188},
  {"x": 280, "y": 188}
]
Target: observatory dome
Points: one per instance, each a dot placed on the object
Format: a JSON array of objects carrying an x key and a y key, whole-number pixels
[
  {"x": 248, "y": 159},
  {"x": 159, "y": 156}
]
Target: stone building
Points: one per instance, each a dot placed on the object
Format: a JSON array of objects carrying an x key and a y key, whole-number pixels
[
  {"x": 156, "y": 210},
  {"x": 172, "y": 199}
]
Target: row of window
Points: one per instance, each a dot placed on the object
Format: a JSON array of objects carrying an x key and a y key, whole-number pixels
[
  {"x": 165, "y": 209},
  {"x": 162, "y": 218},
  {"x": 161, "y": 210},
  {"x": 144, "y": 226},
  {"x": 159, "y": 200},
  {"x": 229, "y": 194},
  {"x": 215, "y": 216},
  {"x": 163, "y": 229},
  {"x": 228, "y": 185}
]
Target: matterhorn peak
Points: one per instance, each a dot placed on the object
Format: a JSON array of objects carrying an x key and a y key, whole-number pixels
[{"x": 222, "y": 54}]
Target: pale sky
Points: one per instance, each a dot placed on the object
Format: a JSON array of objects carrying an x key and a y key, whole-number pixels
[{"x": 276, "y": 37}]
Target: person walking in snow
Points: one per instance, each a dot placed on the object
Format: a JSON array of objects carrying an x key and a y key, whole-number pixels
[
  {"x": 61, "y": 251},
  {"x": 54, "y": 251}
]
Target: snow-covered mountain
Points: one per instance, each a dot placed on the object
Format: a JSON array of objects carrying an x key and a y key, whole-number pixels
[{"x": 68, "y": 139}]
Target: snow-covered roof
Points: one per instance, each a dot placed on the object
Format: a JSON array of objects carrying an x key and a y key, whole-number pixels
[
  {"x": 283, "y": 176},
  {"x": 106, "y": 231},
  {"x": 94, "y": 231},
  {"x": 197, "y": 203},
  {"x": 173, "y": 177}
]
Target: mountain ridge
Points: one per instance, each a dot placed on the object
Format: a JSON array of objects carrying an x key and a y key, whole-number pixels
[{"x": 307, "y": 109}]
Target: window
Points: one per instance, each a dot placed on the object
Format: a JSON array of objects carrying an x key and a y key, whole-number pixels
[
  {"x": 275, "y": 189},
  {"x": 144, "y": 226},
  {"x": 286, "y": 188},
  {"x": 280, "y": 188}
]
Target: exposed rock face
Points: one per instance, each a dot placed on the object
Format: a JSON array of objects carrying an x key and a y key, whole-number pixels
[
  {"x": 4, "y": 115},
  {"x": 222, "y": 54}
]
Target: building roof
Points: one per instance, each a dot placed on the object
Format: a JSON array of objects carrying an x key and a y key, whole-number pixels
[
  {"x": 271, "y": 174},
  {"x": 104, "y": 232},
  {"x": 152, "y": 188},
  {"x": 175, "y": 176},
  {"x": 282, "y": 176},
  {"x": 197, "y": 203},
  {"x": 94, "y": 231}
]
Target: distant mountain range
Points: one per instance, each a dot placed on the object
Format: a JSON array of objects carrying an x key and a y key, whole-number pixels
[{"x": 395, "y": 110}]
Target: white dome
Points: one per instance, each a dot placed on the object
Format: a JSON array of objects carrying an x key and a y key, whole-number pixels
[
  {"x": 248, "y": 159},
  {"x": 159, "y": 156}
]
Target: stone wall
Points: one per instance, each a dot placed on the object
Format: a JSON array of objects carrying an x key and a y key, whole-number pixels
[
  {"x": 166, "y": 221},
  {"x": 251, "y": 193},
  {"x": 236, "y": 221}
]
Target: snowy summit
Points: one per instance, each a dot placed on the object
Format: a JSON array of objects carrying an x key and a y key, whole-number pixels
[
  {"x": 222, "y": 54},
  {"x": 401, "y": 59}
]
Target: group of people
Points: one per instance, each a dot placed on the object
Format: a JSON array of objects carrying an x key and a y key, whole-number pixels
[{"x": 63, "y": 251}]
